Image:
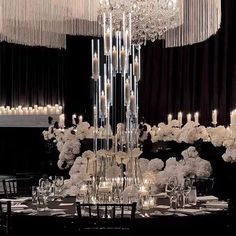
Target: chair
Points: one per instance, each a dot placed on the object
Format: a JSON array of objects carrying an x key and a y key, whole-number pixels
[
  {"x": 17, "y": 187},
  {"x": 5, "y": 213},
  {"x": 106, "y": 218},
  {"x": 203, "y": 185}
]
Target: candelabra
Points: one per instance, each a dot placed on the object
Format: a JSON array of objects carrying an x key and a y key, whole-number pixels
[{"x": 116, "y": 74}]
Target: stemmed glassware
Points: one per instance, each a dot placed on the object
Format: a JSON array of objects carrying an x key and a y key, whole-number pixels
[
  {"x": 59, "y": 182},
  {"x": 186, "y": 190},
  {"x": 170, "y": 190}
]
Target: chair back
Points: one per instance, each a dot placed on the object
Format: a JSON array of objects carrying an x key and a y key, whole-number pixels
[
  {"x": 106, "y": 216},
  {"x": 203, "y": 185},
  {"x": 16, "y": 187},
  {"x": 5, "y": 213}
]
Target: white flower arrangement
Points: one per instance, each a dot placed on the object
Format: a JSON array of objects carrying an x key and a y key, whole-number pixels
[{"x": 230, "y": 154}]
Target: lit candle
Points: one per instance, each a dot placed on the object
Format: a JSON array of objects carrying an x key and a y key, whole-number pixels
[
  {"x": 114, "y": 58},
  {"x": 73, "y": 119},
  {"x": 128, "y": 39},
  {"x": 189, "y": 117},
  {"x": 233, "y": 118},
  {"x": 95, "y": 64},
  {"x": 214, "y": 117},
  {"x": 123, "y": 55},
  {"x": 107, "y": 41},
  {"x": 143, "y": 191},
  {"x": 196, "y": 117},
  {"x": 169, "y": 118},
  {"x": 136, "y": 68},
  {"x": 132, "y": 102},
  {"x": 127, "y": 90},
  {"x": 80, "y": 119},
  {"x": 61, "y": 122},
  {"x": 108, "y": 90},
  {"x": 180, "y": 118},
  {"x": 103, "y": 105}
]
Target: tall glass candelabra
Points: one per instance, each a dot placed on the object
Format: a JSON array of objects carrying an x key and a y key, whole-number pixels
[{"x": 116, "y": 73}]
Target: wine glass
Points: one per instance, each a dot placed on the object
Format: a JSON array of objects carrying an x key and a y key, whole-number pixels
[
  {"x": 186, "y": 190},
  {"x": 170, "y": 189},
  {"x": 59, "y": 182}
]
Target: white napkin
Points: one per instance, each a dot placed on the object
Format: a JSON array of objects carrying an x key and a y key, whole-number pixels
[
  {"x": 17, "y": 206},
  {"x": 219, "y": 205},
  {"x": 187, "y": 211},
  {"x": 66, "y": 204},
  {"x": 207, "y": 198}
]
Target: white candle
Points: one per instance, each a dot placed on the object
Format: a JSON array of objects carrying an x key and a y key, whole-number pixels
[
  {"x": 108, "y": 90},
  {"x": 103, "y": 105},
  {"x": 132, "y": 102},
  {"x": 127, "y": 91},
  {"x": 233, "y": 118},
  {"x": 107, "y": 41},
  {"x": 73, "y": 119},
  {"x": 136, "y": 68},
  {"x": 180, "y": 118},
  {"x": 128, "y": 39},
  {"x": 143, "y": 191},
  {"x": 123, "y": 55},
  {"x": 60, "y": 109},
  {"x": 169, "y": 118},
  {"x": 95, "y": 64},
  {"x": 196, "y": 117},
  {"x": 189, "y": 116},
  {"x": 80, "y": 119},
  {"x": 214, "y": 117},
  {"x": 61, "y": 122},
  {"x": 114, "y": 58}
]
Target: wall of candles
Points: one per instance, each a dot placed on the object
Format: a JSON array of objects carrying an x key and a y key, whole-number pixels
[{"x": 35, "y": 110}]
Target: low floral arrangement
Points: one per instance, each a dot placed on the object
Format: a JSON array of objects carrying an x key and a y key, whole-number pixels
[{"x": 155, "y": 174}]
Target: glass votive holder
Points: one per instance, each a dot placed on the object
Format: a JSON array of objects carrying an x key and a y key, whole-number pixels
[{"x": 34, "y": 194}]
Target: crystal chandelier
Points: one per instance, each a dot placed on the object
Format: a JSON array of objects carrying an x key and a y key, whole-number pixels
[{"x": 150, "y": 19}]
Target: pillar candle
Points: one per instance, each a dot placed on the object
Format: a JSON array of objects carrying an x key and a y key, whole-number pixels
[
  {"x": 127, "y": 90},
  {"x": 169, "y": 118},
  {"x": 180, "y": 118},
  {"x": 114, "y": 58},
  {"x": 189, "y": 117},
  {"x": 132, "y": 102},
  {"x": 214, "y": 117},
  {"x": 108, "y": 91},
  {"x": 95, "y": 64},
  {"x": 80, "y": 119},
  {"x": 233, "y": 118},
  {"x": 123, "y": 55},
  {"x": 196, "y": 117},
  {"x": 103, "y": 105},
  {"x": 136, "y": 68},
  {"x": 107, "y": 41},
  {"x": 128, "y": 40},
  {"x": 73, "y": 119},
  {"x": 61, "y": 122}
]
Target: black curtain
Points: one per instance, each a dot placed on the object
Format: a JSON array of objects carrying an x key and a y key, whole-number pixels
[
  {"x": 31, "y": 75},
  {"x": 199, "y": 77}
]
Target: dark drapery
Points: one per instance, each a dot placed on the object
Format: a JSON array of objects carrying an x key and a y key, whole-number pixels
[
  {"x": 199, "y": 77},
  {"x": 31, "y": 75}
]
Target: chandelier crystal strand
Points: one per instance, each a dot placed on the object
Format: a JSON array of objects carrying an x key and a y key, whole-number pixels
[
  {"x": 201, "y": 20},
  {"x": 150, "y": 19},
  {"x": 46, "y": 22}
]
